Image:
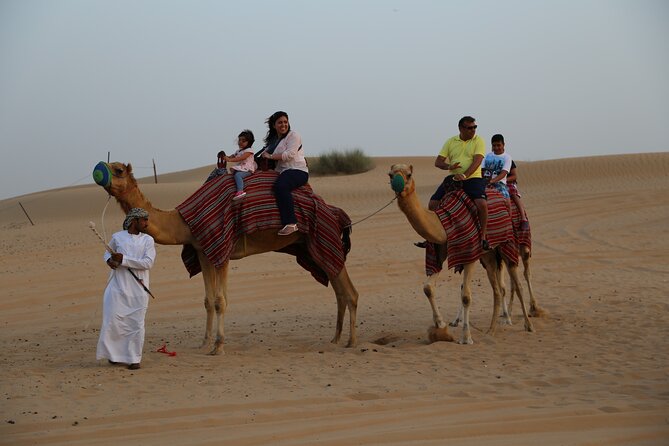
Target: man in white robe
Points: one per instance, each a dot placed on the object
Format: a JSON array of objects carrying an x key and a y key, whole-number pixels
[{"x": 125, "y": 300}]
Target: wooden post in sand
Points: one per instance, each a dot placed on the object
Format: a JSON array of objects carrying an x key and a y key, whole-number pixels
[
  {"x": 25, "y": 212},
  {"x": 155, "y": 176}
]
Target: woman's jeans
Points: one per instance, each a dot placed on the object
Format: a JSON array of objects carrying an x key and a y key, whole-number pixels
[{"x": 288, "y": 181}]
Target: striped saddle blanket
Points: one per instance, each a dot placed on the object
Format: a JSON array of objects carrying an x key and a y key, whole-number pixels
[
  {"x": 459, "y": 218},
  {"x": 524, "y": 236},
  {"x": 217, "y": 223}
]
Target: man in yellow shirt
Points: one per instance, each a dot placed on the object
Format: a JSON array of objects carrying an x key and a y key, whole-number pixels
[{"x": 462, "y": 155}]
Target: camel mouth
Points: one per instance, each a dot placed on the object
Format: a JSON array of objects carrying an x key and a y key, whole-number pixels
[
  {"x": 102, "y": 174},
  {"x": 397, "y": 183}
]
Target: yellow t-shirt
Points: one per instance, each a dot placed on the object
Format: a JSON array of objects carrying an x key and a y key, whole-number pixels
[{"x": 459, "y": 151}]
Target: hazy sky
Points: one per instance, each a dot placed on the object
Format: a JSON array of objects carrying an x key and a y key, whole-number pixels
[{"x": 176, "y": 81}]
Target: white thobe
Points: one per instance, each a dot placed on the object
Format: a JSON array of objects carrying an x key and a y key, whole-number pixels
[{"x": 125, "y": 301}]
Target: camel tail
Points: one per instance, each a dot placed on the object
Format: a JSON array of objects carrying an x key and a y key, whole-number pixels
[
  {"x": 346, "y": 228},
  {"x": 498, "y": 259},
  {"x": 346, "y": 238}
]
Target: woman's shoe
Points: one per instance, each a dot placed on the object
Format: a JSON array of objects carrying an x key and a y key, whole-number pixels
[{"x": 288, "y": 229}]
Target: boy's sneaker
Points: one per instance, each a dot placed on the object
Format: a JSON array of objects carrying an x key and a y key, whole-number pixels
[{"x": 239, "y": 194}]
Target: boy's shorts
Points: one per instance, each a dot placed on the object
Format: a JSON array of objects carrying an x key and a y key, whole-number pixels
[
  {"x": 501, "y": 188},
  {"x": 474, "y": 187}
]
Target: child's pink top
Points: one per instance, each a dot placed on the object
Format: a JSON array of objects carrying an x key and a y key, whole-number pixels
[{"x": 247, "y": 165}]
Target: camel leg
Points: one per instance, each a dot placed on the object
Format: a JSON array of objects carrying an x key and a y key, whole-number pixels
[
  {"x": 491, "y": 266},
  {"x": 506, "y": 310},
  {"x": 466, "y": 298},
  {"x": 535, "y": 311},
  {"x": 429, "y": 288},
  {"x": 439, "y": 332},
  {"x": 347, "y": 296},
  {"x": 220, "y": 305},
  {"x": 215, "y": 281},
  {"x": 209, "y": 280},
  {"x": 513, "y": 276}
]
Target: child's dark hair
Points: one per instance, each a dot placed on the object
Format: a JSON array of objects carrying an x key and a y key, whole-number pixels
[
  {"x": 248, "y": 135},
  {"x": 497, "y": 138}
]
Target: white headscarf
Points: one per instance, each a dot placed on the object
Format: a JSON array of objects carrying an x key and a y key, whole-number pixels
[{"x": 133, "y": 214}]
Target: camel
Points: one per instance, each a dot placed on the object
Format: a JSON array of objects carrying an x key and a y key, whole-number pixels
[
  {"x": 525, "y": 255},
  {"x": 428, "y": 225},
  {"x": 168, "y": 227}
]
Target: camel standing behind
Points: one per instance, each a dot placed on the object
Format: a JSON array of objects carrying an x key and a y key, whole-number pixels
[
  {"x": 428, "y": 225},
  {"x": 525, "y": 251},
  {"x": 169, "y": 228}
]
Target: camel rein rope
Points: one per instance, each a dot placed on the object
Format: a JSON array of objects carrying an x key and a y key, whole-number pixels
[{"x": 373, "y": 214}]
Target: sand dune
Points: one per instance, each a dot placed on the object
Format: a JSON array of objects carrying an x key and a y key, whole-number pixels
[{"x": 595, "y": 372}]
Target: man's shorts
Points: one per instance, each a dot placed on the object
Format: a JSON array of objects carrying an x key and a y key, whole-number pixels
[
  {"x": 474, "y": 187},
  {"x": 513, "y": 189},
  {"x": 501, "y": 188}
]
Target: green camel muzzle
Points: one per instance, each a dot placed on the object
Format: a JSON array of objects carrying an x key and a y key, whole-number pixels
[
  {"x": 102, "y": 174},
  {"x": 397, "y": 183}
]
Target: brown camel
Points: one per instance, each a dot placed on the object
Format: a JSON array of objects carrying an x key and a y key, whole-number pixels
[
  {"x": 167, "y": 227},
  {"x": 428, "y": 225},
  {"x": 525, "y": 252}
]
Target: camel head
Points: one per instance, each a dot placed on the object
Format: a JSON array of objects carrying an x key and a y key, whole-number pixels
[
  {"x": 116, "y": 178},
  {"x": 400, "y": 179}
]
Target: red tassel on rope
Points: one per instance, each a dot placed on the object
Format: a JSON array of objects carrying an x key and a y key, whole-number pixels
[{"x": 163, "y": 349}]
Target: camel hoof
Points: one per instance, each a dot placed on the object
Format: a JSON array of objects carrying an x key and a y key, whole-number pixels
[
  {"x": 455, "y": 323},
  {"x": 436, "y": 334},
  {"x": 537, "y": 312},
  {"x": 529, "y": 328},
  {"x": 466, "y": 340},
  {"x": 216, "y": 351}
]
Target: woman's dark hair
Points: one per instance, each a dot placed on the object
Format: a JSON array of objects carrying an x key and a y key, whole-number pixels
[
  {"x": 271, "y": 131},
  {"x": 497, "y": 138},
  {"x": 248, "y": 135}
]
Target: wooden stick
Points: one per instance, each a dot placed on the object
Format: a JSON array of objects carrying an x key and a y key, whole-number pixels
[{"x": 24, "y": 211}]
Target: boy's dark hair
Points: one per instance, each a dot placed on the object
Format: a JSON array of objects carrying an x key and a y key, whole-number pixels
[
  {"x": 497, "y": 138},
  {"x": 465, "y": 119},
  {"x": 248, "y": 135}
]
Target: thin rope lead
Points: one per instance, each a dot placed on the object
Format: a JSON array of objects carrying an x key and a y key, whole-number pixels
[{"x": 371, "y": 215}]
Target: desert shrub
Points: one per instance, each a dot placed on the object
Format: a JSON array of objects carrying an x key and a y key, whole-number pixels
[{"x": 335, "y": 162}]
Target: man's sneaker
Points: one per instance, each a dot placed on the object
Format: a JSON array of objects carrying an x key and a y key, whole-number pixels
[
  {"x": 239, "y": 194},
  {"x": 421, "y": 245}
]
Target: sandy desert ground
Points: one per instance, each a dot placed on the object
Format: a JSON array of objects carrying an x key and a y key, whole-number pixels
[{"x": 595, "y": 371}]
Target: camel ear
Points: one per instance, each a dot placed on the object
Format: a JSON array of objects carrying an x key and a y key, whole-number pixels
[
  {"x": 411, "y": 168},
  {"x": 129, "y": 167}
]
